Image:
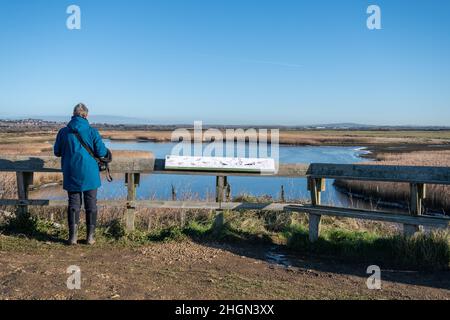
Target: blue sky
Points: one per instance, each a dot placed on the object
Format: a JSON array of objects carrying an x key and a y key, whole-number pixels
[{"x": 229, "y": 61}]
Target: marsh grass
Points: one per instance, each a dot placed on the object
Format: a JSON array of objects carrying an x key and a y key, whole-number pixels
[
  {"x": 422, "y": 251},
  {"x": 8, "y": 186},
  {"x": 42, "y": 140},
  {"x": 309, "y": 137},
  {"x": 338, "y": 239}
]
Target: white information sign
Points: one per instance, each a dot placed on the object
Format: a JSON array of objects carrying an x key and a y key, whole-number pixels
[{"x": 257, "y": 165}]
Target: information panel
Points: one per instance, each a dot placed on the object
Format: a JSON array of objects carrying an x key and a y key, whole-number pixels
[{"x": 257, "y": 165}]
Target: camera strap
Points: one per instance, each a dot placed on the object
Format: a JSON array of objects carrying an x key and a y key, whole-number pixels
[{"x": 97, "y": 159}]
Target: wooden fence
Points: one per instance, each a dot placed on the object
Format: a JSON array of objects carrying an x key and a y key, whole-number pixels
[{"x": 316, "y": 173}]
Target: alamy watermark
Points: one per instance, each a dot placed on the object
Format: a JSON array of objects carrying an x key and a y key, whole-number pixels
[
  {"x": 73, "y": 22},
  {"x": 228, "y": 143},
  {"x": 374, "y": 20},
  {"x": 374, "y": 280},
  {"x": 74, "y": 280}
]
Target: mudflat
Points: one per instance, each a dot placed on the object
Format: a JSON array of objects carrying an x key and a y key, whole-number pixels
[{"x": 190, "y": 270}]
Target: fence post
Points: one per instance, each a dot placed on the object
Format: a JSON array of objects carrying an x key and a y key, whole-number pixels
[
  {"x": 220, "y": 189},
  {"x": 315, "y": 186},
  {"x": 228, "y": 195},
  {"x": 24, "y": 180},
  {"x": 174, "y": 193},
  {"x": 132, "y": 180},
  {"x": 417, "y": 195}
]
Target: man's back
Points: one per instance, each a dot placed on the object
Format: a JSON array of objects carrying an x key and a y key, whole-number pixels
[{"x": 80, "y": 169}]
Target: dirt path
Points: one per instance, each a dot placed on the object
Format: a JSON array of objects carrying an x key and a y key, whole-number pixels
[{"x": 189, "y": 270}]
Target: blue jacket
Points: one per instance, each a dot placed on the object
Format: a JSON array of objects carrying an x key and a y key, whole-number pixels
[{"x": 80, "y": 170}]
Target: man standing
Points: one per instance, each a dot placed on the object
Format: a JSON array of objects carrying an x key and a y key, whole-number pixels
[{"x": 80, "y": 170}]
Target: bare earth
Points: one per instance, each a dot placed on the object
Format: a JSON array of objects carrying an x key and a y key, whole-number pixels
[{"x": 189, "y": 270}]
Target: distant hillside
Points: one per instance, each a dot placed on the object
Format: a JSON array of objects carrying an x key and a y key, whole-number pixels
[
  {"x": 101, "y": 119},
  {"x": 124, "y": 123}
]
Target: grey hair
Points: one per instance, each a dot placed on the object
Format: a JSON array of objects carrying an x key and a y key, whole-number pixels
[{"x": 80, "y": 110}]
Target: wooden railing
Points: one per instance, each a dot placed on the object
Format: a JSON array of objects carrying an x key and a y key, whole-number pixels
[{"x": 417, "y": 177}]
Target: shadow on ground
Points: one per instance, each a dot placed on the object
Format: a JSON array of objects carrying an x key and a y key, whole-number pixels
[{"x": 244, "y": 244}]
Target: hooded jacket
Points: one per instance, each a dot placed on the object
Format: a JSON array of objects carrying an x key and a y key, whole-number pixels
[{"x": 80, "y": 170}]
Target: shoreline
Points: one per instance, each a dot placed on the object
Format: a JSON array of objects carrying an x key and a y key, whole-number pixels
[
  {"x": 372, "y": 149},
  {"x": 375, "y": 141}
]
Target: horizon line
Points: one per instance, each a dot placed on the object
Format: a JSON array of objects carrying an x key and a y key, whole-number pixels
[{"x": 349, "y": 125}]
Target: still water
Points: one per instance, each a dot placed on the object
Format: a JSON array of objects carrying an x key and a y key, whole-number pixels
[{"x": 159, "y": 186}]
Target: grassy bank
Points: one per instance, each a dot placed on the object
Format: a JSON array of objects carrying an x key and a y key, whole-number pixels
[{"x": 343, "y": 239}]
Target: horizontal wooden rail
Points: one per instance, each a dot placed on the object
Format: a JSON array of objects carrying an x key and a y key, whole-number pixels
[
  {"x": 53, "y": 164},
  {"x": 285, "y": 170},
  {"x": 390, "y": 173},
  {"x": 410, "y": 174},
  {"x": 374, "y": 215},
  {"x": 242, "y": 206},
  {"x": 132, "y": 165},
  {"x": 158, "y": 204}
]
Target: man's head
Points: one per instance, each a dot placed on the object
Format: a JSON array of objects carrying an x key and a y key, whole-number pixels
[{"x": 81, "y": 110}]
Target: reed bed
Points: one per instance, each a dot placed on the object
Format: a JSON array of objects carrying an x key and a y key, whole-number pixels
[{"x": 308, "y": 137}]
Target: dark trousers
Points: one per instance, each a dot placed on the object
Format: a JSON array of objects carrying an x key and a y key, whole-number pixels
[{"x": 90, "y": 206}]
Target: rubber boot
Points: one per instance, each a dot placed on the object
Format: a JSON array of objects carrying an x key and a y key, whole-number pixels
[
  {"x": 90, "y": 238},
  {"x": 73, "y": 234}
]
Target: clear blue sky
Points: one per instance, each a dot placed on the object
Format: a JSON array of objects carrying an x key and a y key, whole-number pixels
[{"x": 229, "y": 61}]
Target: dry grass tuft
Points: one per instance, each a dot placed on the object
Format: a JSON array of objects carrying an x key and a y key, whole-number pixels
[
  {"x": 8, "y": 188},
  {"x": 131, "y": 154}
]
